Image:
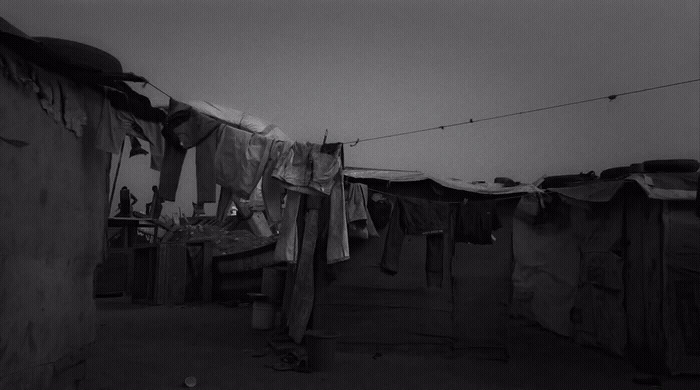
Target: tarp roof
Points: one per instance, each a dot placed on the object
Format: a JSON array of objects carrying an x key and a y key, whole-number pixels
[
  {"x": 75, "y": 58},
  {"x": 452, "y": 183},
  {"x": 83, "y": 63},
  {"x": 662, "y": 186}
]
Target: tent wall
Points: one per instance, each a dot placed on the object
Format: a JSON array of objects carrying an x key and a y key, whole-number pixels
[
  {"x": 371, "y": 309},
  {"x": 568, "y": 270},
  {"x": 598, "y": 314},
  {"x": 53, "y": 207},
  {"x": 546, "y": 264},
  {"x": 482, "y": 285},
  {"x": 663, "y": 284},
  {"x": 621, "y": 274},
  {"x": 681, "y": 287}
]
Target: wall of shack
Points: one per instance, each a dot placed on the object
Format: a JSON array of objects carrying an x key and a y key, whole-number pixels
[{"x": 53, "y": 207}]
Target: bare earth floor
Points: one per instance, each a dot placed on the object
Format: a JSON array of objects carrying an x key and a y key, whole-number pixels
[{"x": 157, "y": 347}]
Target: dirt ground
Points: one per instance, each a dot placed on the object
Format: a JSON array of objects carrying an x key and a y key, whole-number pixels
[{"x": 157, "y": 347}]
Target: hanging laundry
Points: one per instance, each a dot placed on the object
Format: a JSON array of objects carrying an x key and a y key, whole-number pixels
[
  {"x": 295, "y": 167},
  {"x": 338, "y": 246},
  {"x": 136, "y": 148},
  {"x": 415, "y": 216},
  {"x": 308, "y": 169},
  {"x": 111, "y": 126},
  {"x": 123, "y": 98},
  {"x": 379, "y": 208},
  {"x": 146, "y": 130},
  {"x": 272, "y": 189},
  {"x": 240, "y": 160},
  {"x": 183, "y": 129},
  {"x": 152, "y": 132},
  {"x": 326, "y": 165},
  {"x": 219, "y": 159},
  {"x": 302, "y": 298},
  {"x": 360, "y": 223},
  {"x": 476, "y": 222},
  {"x": 314, "y": 170}
]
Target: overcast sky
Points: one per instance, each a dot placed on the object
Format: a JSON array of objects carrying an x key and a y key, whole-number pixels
[{"x": 369, "y": 68}]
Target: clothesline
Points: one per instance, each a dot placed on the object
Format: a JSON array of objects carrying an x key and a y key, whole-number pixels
[{"x": 471, "y": 120}]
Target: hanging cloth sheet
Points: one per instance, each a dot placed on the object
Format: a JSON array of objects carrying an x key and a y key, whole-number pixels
[
  {"x": 184, "y": 128},
  {"x": 240, "y": 160},
  {"x": 416, "y": 216},
  {"x": 226, "y": 155},
  {"x": 476, "y": 222}
]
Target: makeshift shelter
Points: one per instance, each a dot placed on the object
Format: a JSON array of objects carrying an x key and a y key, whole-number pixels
[
  {"x": 53, "y": 201},
  {"x": 411, "y": 310},
  {"x": 615, "y": 264}
]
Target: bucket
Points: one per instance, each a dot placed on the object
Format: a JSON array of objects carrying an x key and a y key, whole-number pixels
[
  {"x": 320, "y": 348},
  {"x": 263, "y": 316}
]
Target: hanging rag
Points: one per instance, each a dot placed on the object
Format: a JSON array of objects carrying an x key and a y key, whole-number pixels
[
  {"x": 111, "y": 127},
  {"x": 476, "y": 222},
  {"x": 360, "y": 223}
]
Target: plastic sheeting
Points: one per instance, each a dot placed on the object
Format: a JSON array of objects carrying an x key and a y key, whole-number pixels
[
  {"x": 453, "y": 183},
  {"x": 615, "y": 264},
  {"x": 547, "y": 273},
  {"x": 668, "y": 186},
  {"x": 239, "y": 119}
]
